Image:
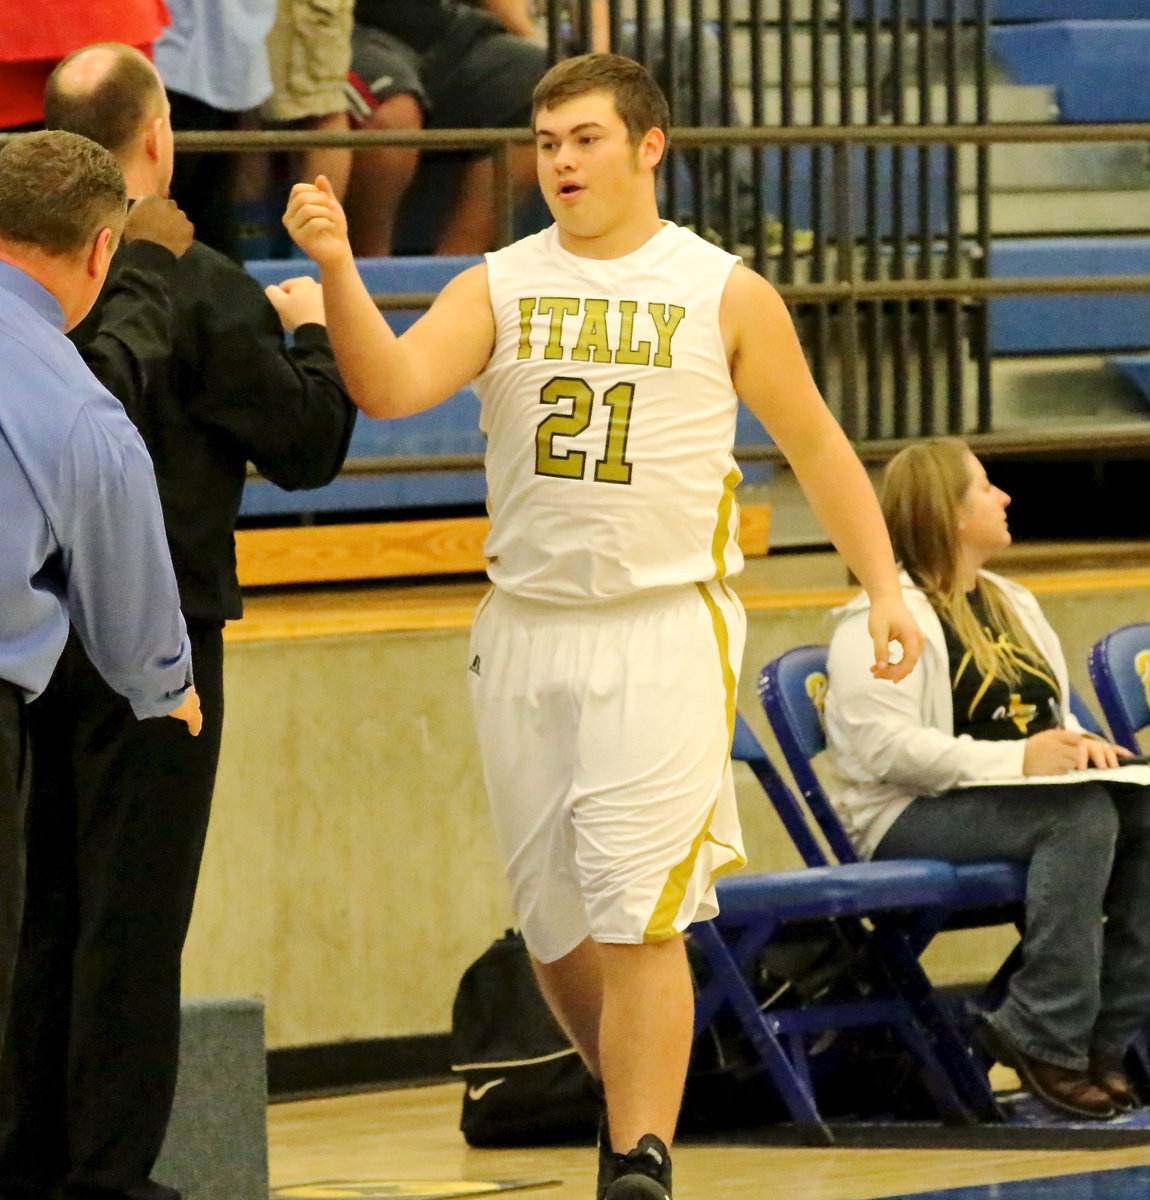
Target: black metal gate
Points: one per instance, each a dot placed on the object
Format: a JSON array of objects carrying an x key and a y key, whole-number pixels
[{"x": 816, "y": 214}]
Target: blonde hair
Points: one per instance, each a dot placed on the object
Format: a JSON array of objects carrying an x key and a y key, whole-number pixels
[{"x": 922, "y": 492}]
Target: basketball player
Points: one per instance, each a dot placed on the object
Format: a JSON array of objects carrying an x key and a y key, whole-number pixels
[{"x": 608, "y": 352}]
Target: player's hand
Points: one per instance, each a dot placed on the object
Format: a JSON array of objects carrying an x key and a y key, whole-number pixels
[
  {"x": 890, "y": 621},
  {"x": 1052, "y": 752},
  {"x": 189, "y": 712},
  {"x": 298, "y": 301},
  {"x": 158, "y": 219},
  {"x": 316, "y": 222}
]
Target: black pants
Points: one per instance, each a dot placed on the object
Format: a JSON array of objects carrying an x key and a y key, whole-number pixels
[
  {"x": 14, "y": 775},
  {"x": 203, "y": 182},
  {"x": 116, "y": 825}
]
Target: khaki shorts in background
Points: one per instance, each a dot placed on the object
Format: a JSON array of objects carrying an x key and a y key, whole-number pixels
[{"x": 309, "y": 53}]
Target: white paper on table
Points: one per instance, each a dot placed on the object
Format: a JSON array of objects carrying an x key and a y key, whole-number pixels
[{"x": 1136, "y": 774}]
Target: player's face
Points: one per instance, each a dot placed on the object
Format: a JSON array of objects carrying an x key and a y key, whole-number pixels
[
  {"x": 982, "y": 518},
  {"x": 590, "y": 172}
]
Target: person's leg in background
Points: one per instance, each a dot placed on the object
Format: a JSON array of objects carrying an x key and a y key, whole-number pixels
[
  {"x": 473, "y": 226},
  {"x": 204, "y": 183},
  {"x": 387, "y": 95},
  {"x": 1125, "y": 983},
  {"x": 1067, "y": 835},
  {"x": 488, "y": 85},
  {"x": 309, "y": 53}
]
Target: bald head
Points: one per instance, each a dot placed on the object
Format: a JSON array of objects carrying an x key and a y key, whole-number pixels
[{"x": 107, "y": 92}]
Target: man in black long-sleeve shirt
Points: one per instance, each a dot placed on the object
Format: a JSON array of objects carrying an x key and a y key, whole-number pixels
[{"x": 117, "y": 826}]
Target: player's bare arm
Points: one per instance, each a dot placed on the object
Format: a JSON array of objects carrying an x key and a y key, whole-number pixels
[
  {"x": 389, "y": 376},
  {"x": 772, "y": 378}
]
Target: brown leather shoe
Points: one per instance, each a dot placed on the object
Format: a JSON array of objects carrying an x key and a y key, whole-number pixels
[
  {"x": 1068, "y": 1092},
  {"x": 1110, "y": 1075}
]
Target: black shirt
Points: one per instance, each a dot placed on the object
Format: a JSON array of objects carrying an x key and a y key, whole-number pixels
[
  {"x": 228, "y": 391},
  {"x": 989, "y": 708}
]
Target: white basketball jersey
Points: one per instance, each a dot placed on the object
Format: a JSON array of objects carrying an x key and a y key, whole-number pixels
[{"x": 610, "y": 419}]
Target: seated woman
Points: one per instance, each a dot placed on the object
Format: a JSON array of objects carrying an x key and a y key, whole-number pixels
[{"x": 990, "y": 701}]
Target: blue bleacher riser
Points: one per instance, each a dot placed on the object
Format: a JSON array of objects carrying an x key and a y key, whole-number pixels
[
  {"x": 1025, "y": 10},
  {"x": 1098, "y": 67},
  {"x": 448, "y": 428},
  {"x": 1069, "y": 324}
]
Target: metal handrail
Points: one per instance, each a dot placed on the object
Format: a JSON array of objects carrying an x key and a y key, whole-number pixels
[
  {"x": 742, "y": 135},
  {"x": 883, "y": 289},
  {"x": 1132, "y": 437}
]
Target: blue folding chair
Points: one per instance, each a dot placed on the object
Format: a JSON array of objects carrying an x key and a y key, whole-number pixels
[
  {"x": 792, "y": 689},
  {"x": 1120, "y": 671},
  {"x": 1085, "y": 715},
  {"x": 755, "y": 909}
]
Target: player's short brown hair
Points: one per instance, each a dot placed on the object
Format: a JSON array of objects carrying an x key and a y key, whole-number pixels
[{"x": 639, "y": 100}]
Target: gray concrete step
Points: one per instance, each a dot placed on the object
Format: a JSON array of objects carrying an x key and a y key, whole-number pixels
[
  {"x": 1098, "y": 166},
  {"x": 1068, "y": 388},
  {"x": 1009, "y": 103},
  {"x": 801, "y": 50},
  {"x": 1062, "y": 212}
]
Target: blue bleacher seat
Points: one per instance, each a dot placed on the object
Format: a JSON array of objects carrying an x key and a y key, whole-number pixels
[
  {"x": 1069, "y": 324},
  {"x": 1098, "y": 66}
]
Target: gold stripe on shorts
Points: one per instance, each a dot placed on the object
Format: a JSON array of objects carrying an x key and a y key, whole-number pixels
[
  {"x": 488, "y": 596},
  {"x": 662, "y": 922},
  {"x": 723, "y": 642}
]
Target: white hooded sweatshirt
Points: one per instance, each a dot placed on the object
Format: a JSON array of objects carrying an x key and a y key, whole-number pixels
[{"x": 889, "y": 742}]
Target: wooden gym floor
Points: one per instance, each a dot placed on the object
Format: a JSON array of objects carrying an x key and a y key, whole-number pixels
[{"x": 411, "y": 1134}]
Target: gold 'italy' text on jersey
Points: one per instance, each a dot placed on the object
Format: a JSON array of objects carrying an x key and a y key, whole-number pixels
[{"x": 610, "y": 420}]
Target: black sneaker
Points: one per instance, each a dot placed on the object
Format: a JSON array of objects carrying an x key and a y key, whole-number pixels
[
  {"x": 643, "y": 1173},
  {"x": 607, "y": 1159}
]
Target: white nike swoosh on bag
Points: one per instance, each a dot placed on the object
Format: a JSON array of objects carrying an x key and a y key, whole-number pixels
[{"x": 478, "y": 1091}]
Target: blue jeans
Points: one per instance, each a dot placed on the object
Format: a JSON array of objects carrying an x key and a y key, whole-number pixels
[{"x": 1083, "y": 987}]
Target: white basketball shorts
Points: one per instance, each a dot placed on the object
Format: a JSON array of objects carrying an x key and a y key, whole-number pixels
[{"x": 605, "y": 735}]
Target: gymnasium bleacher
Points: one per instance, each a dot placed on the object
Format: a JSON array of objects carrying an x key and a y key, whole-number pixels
[{"x": 1094, "y": 210}]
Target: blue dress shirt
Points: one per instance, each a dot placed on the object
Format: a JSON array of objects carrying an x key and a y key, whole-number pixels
[
  {"x": 81, "y": 531},
  {"x": 215, "y": 51}
]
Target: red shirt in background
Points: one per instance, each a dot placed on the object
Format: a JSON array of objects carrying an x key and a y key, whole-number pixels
[{"x": 35, "y": 36}]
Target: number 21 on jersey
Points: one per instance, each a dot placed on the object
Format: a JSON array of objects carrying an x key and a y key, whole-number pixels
[{"x": 559, "y": 463}]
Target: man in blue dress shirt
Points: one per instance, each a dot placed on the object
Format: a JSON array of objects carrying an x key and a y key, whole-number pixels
[{"x": 82, "y": 535}]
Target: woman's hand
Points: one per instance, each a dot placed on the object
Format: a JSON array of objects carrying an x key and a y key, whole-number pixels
[
  {"x": 1097, "y": 752},
  {"x": 1053, "y": 752}
]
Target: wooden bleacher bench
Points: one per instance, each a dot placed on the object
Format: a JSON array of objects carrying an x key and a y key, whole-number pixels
[{"x": 398, "y": 549}]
